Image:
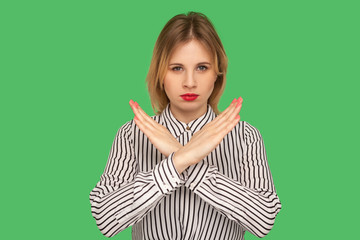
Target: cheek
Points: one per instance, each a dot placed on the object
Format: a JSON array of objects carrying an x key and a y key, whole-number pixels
[
  {"x": 170, "y": 82},
  {"x": 211, "y": 88},
  {"x": 166, "y": 81},
  {"x": 168, "y": 87},
  {"x": 211, "y": 81}
]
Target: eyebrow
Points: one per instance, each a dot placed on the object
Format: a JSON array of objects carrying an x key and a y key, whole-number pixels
[{"x": 198, "y": 63}]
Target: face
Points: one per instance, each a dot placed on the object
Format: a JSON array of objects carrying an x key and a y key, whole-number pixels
[{"x": 190, "y": 71}]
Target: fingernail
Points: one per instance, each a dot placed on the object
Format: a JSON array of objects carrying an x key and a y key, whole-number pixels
[
  {"x": 136, "y": 118},
  {"x": 233, "y": 101},
  {"x": 238, "y": 103},
  {"x": 131, "y": 102},
  {"x": 136, "y": 104}
]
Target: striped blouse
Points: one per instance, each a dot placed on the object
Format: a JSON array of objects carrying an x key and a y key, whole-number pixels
[{"x": 227, "y": 193}]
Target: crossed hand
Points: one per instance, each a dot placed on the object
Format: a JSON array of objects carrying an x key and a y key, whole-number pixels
[{"x": 201, "y": 144}]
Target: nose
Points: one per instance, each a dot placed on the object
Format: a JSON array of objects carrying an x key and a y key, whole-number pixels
[{"x": 189, "y": 80}]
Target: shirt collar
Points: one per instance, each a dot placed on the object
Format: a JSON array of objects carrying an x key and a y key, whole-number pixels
[{"x": 177, "y": 127}]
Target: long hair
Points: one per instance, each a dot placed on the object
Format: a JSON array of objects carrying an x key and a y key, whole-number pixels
[{"x": 183, "y": 28}]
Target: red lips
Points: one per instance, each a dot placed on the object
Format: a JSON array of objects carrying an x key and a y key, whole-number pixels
[{"x": 189, "y": 96}]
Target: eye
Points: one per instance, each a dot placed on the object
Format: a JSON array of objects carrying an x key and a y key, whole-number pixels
[
  {"x": 176, "y": 68},
  {"x": 202, "y": 68}
]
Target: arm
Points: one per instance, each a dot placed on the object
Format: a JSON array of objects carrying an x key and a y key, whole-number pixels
[
  {"x": 124, "y": 195},
  {"x": 252, "y": 202}
]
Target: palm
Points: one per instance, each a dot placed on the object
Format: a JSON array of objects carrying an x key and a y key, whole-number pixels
[
  {"x": 201, "y": 144},
  {"x": 157, "y": 134}
]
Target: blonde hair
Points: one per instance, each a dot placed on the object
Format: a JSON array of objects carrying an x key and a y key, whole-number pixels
[{"x": 183, "y": 28}]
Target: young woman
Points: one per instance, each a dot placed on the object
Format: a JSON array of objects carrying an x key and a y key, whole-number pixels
[{"x": 188, "y": 172}]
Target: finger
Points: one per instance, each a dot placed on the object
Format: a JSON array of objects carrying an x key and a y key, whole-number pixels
[
  {"x": 230, "y": 114},
  {"x": 145, "y": 127},
  {"x": 223, "y": 113},
  {"x": 140, "y": 125},
  {"x": 232, "y": 104},
  {"x": 145, "y": 116},
  {"x": 230, "y": 109},
  {"x": 132, "y": 105},
  {"x": 227, "y": 127},
  {"x": 237, "y": 108},
  {"x": 231, "y": 125},
  {"x": 141, "y": 115},
  {"x": 151, "y": 125}
]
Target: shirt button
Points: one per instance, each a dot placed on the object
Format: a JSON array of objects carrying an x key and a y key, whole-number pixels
[{"x": 188, "y": 128}]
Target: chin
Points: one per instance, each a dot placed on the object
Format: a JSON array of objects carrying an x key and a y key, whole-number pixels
[{"x": 193, "y": 105}]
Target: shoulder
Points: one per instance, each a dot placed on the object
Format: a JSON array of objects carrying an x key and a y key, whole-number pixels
[
  {"x": 245, "y": 127},
  {"x": 129, "y": 127},
  {"x": 251, "y": 133},
  {"x": 126, "y": 130},
  {"x": 249, "y": 128},
  {"x": 246, "y": 130}
]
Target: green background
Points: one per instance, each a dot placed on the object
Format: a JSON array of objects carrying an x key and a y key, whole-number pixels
[{"x": 69, "y": 68}]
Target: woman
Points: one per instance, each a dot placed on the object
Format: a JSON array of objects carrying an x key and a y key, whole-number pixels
[{"x": 189, "y": 172}]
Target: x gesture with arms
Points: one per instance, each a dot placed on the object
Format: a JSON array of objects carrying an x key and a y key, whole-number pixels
[{"x": 202, "y": 142}]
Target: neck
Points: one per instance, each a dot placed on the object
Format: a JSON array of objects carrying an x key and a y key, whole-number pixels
[{"x": 188, "y": 116}]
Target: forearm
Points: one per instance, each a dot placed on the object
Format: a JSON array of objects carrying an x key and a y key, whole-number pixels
[
  {"x": 112, "y": 210},
  {"x": 180, "y": 161},
  {"x": 255, "y": 209},
  {"x": 116, "y": 206}
]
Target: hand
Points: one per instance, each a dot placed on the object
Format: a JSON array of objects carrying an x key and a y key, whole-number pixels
[
  {"x": 158, "y": 134},
  {"x": 208, "y": 138}
]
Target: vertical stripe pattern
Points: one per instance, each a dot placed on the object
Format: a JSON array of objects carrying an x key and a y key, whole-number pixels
[{"x": 227, "y": 193}]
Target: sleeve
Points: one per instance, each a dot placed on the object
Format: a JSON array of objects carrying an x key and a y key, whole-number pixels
[
  {"x": 252, "y": 201},
  {"x": 124, "y": 195}
]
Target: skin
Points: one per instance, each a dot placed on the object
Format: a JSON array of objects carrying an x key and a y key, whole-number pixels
[
  {"x": 202, "y": 142},
  {"x": 190, "y": 71}
]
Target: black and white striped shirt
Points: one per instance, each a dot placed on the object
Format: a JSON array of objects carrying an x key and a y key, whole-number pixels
[{"x": 227, "y": 193}]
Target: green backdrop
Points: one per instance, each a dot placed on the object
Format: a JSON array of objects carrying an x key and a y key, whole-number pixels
[{"x": 69, "y": 68}]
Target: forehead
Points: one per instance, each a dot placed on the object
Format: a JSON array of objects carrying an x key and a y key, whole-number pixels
[{"x": 192, "y": 50}]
